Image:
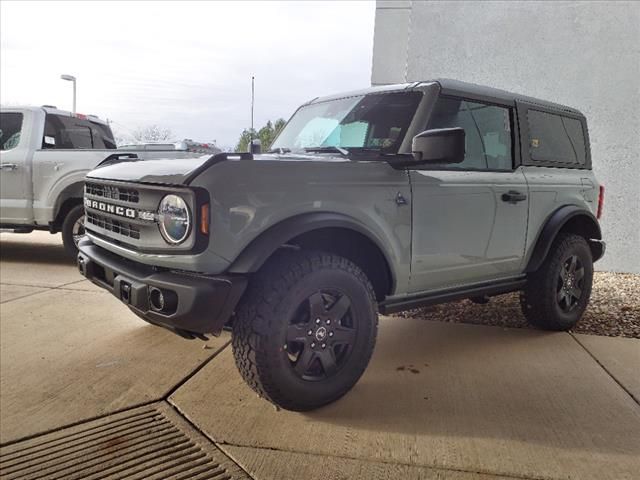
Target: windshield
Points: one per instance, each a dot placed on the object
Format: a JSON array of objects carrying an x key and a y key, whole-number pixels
[{"x": 368, "y": 122}]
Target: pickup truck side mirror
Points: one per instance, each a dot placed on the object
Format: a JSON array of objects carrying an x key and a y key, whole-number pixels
[{"x": 440, "y": 145}]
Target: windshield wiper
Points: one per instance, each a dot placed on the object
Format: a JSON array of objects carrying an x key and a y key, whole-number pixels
[{"x": 328, "y": 149}]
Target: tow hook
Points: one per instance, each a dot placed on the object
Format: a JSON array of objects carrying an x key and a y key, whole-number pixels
[{"x": 125, "y": 292}]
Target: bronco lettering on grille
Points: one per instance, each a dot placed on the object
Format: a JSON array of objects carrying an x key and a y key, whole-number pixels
[{"x": 109, "y": 208}]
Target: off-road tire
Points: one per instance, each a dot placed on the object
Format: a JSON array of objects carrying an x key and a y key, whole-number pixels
[
  {"x": 260, "y": 327},
  {"x": 67, "y": 230},
  {"x": 539, "y": 300}
]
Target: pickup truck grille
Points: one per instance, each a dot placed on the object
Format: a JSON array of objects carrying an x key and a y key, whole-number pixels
[
  {"x": 114, "y": 226},
  {"x": 112, "y": 192}
]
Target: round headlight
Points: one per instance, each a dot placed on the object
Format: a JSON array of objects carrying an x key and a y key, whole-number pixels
[{"x": 174, "y": 219}]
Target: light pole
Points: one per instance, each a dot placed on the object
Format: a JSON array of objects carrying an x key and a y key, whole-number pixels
[{"x": 71, "y": 78}]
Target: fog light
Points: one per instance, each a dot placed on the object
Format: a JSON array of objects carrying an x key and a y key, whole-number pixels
[
  {"x": 165, "y": 301},
  {"x": 156, "y": 299}
]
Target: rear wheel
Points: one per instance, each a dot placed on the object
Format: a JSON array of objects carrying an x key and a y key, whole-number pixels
[
  {"x": 305, "y": 330},
  {"x": 73, "y": 230},
  {"x": 558, "y": 293}
]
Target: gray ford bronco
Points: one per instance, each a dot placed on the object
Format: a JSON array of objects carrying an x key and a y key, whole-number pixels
[{"x": 380, "y": 200}]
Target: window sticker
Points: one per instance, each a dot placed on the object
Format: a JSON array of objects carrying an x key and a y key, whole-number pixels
[
  {"x": 535, "y": 143},
  {"x": 49, "y": 140}
]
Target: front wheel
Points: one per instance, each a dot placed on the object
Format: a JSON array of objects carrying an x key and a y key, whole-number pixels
[
  {"x": 73, "y": 230},
  {"x": 305, "y": 330},
  {"x": 557, "y": 294}
]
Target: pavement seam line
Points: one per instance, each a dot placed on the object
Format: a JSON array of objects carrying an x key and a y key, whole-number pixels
[
  {"x": 23, "y": 296},
  {"x": 43, "y": 286},
  {"x": 79, "y": 422},
  {"x": 626, "y": 390},
  {"x": 379, "y": 461},
  {"x": 45, "y": 289},
  {"x": 197, "y": 369}
]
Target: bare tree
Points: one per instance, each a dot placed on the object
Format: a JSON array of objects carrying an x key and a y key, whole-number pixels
[
  {"x": 121, "y": 139},
  {"x": 153, "y": 133}
]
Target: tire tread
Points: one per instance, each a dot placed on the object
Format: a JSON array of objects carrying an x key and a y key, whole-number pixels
[
  {"x": 534, "y": 300},
  {"x": 253, "y": 319}
]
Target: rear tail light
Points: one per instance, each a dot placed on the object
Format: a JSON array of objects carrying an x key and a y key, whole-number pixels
[
  {"x": 204, "y": 219},
  {"x": 600, "y": 202}
]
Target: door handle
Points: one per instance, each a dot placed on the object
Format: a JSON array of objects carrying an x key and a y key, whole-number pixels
[
  {"x": 513, "y": 197},
  {"x": 8, "y": 166}
]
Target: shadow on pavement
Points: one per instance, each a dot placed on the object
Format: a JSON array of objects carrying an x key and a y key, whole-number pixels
[{"x": 28, "y": 252}]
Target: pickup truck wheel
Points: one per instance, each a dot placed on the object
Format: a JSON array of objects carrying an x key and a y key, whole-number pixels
[
  {"x": 305, "y": 330},
  {"x": 73, "y": 230},
  {"x": 557, "y": 294}
]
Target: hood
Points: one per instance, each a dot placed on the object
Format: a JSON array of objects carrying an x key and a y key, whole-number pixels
[
  {"x": 168, "y": 171},
  {"x": 181, "y": 171}
]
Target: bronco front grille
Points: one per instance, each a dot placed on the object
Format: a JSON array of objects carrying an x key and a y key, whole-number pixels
[
  {"x": 110, "y": 191},
  {"x": 115, "y": 226},
  {"x": 125, "y": 213}
]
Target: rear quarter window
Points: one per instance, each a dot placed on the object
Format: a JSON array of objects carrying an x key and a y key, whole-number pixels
[
  {"x": 102, "y": 136},
  {"x": 10, "y": 129},
  {"x": 556, "y": 139},
  {"x": 75, "y": 133}
]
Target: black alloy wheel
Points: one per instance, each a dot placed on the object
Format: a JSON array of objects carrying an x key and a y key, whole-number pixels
[
  {"x": 570, "y": 284},
  {"x": 321, "y": 335}
]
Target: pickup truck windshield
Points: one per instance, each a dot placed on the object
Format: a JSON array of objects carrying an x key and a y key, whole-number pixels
[{"x": 375, "y": 122}]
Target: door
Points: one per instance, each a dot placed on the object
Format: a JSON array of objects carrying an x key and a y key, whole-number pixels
[
  {"x": 469, "y": 219},
  {"x": 15, "y": 177}
]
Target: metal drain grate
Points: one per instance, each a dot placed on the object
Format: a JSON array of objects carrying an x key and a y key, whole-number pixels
[{"x": 146, "y": 443}]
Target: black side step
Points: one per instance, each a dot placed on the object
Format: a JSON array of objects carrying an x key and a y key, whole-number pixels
[{"x": 399, "y": 304}]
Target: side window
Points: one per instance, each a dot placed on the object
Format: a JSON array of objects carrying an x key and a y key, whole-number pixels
[
  {"x": 102, "y": 136},
  {"x": 10, "y": 128},
  {"x": 555, "y": 138},
  {"x": 487, "y": 132},
  {"x": 66, "y": 132},
  {"x": 96, "y": 139}
]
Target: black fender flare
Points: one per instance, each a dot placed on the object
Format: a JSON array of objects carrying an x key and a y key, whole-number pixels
[
  {"x": 265, "y": 244},
  {"x": 65, "y": 201},
  {"x": 556, "y": 221}
]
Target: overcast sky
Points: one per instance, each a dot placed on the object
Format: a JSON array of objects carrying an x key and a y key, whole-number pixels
[{"x": 184, "y": 66}]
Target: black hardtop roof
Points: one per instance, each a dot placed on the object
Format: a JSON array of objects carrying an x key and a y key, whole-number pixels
[
  {"x": 462, "y": 89},
  {"x": 457, "y": 87}
]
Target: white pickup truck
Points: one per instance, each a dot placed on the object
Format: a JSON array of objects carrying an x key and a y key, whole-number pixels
[{"x": 45, "y": 154}]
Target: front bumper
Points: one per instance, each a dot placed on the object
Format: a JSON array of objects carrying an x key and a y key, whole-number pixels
[{"x": 192, "y": 305}]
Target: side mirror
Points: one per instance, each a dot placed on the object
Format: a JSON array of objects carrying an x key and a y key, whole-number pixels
[
  {"x": 440, "y": 145},
  {"x": 256, "y": 146}
]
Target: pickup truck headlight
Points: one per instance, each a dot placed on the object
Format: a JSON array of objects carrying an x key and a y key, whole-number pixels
[{"x": 174, "y": 219}]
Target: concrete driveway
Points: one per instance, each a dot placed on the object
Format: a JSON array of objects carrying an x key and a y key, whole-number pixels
[{"x": 439, "y": 400}]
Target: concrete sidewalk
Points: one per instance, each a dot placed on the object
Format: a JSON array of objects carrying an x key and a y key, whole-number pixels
[{"x": 439, "y": 400}]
